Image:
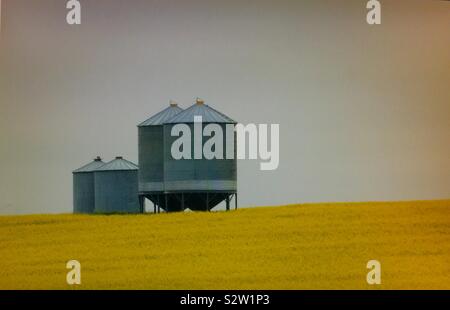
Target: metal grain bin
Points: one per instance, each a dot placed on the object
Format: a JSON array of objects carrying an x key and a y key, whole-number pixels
[
  {"x": 83, "y": 187},
  {"x": 116, "y": 187},
  {"x": 150, "y": 145},
  {"x": 198, "y": 184},
  {"x": 151, "y": 162}
]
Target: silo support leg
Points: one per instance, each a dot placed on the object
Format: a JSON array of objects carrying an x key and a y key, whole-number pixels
[
  {"x": 207, "y": 201},
  {"x": 235, "y": 201},
  {"x": 141, "y": 203},
  {"x": 228, "y": 203},
  {"x": 159, "y": 203}
]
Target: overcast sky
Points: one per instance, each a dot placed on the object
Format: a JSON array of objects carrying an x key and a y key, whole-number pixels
[{"x": 363, "y": 110}]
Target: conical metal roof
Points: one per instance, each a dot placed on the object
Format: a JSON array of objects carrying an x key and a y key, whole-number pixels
[
  {"x": 161, "y": 117},
  {"x": 94, "y": 165},
  {"x": 118, "y": 164},
  {"x": 208, "y": 114}
]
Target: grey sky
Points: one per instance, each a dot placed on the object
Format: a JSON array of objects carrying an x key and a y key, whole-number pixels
[{"x": 363, "y": 110}]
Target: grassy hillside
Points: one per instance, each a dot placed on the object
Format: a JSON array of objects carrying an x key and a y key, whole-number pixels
[{"x": 294, "y": 247}]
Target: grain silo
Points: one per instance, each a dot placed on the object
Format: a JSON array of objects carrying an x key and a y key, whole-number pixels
[
  {"x": 83, "y": 187},
  {"x": 151, "y": 162},
  {"x": 116, "y": 187},
  {"x": 198, "y": 184}
]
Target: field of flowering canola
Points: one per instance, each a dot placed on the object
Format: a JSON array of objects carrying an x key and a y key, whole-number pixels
[{"x": 309, "y": 246}]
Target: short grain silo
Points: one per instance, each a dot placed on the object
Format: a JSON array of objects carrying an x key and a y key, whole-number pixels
[
  {"x": 151, "y": 152},
  {"x": 199, "y": 184},
  {"x": 116, "y": 187},
  {"x": 83, "y": 187}
]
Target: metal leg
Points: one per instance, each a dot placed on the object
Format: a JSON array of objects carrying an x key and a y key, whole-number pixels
[
  {"x": 207, "y": 201},
  {"x": 165, "y": 198},
  {"x": 228, "y": 203},
  {"x": 141, "y": 204},
  {"x": 159, "y": 203},
  {"x": 182, "y": 201},
  {"x": 235, "y": 201}
]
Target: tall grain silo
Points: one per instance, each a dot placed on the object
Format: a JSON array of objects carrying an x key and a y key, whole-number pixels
[
  {"x": 116, "y": 187},
  {"x": 198, "y": 184},
  {"x": 83, "y": 187},
  {"x": 151, "y": 152}
]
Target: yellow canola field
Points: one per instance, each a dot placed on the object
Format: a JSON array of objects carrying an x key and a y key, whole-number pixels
[{"x": 309, "y": 246}]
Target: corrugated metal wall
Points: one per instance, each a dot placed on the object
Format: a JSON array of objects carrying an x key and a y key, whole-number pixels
[
  {"x": 83, "y": 192},
  {"x": 83, "y": 187},
  {"x": 116, "y": 191},
  {"x": 197, "y": 174},
  {"x": 151, "y": 163}
]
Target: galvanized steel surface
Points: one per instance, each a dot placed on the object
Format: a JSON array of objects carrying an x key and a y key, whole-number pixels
[
  {"x": 94, "y": 165},
  {"x": 150, "y": 150},
  {"x": 151, "y": 173},
  {"x": 197, "y": 174},
  {"x": 116, "y": 191},
  {"x": 118, "y": 164},
  {"x": 83, "y": 187},
  {"x": 161, "y": 117},
  {"x": 208, "y": 114}
]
